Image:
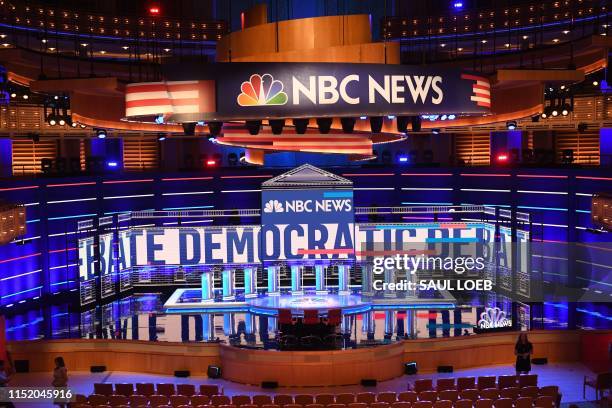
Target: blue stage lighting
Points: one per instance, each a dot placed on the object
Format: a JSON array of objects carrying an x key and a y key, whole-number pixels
[
  {"x": 458, "y": 5},
  {"x": 112, "y": 164},
  {"x": 363, "y": 117},
  {"x": 403, "y": 159},
  {"x": 390, "y": 117},
  {"x": 101, "y": 133},
  {"x": 451, "y": 117},
  {"x": 159, "y": 119},
  {"x": 443, "y": 117}
]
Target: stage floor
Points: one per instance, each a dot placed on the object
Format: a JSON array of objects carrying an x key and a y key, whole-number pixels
[
  {"x": 568, "y": 377},
  {"x": 189, "y": 301}
]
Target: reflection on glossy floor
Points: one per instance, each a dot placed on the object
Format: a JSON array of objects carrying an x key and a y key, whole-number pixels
[{"x": 568, "y": 377}]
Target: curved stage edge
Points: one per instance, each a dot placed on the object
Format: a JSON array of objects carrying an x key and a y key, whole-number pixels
[{"x": 311, "y": 368}]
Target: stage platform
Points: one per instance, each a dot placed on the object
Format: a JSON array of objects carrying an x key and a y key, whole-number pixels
[{"x": 188, "y": 301}]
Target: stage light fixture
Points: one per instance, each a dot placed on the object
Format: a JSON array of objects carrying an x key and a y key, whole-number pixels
[
  {"x": 348, "y": 124},
  {"x": 301, "y": 125},
  {"x": 511, "y": 124},
  {"x": 101, "y": 133},
  {"x": 52, "y": 121},
  {"x": 443, "y": 117},
  {"x": 376, "y": 123},
  {"x": 211, "y": 163},
  {"x": 13, "y": 95},
  {"x": 565, "y": 110},
  {"x": 161, "y": 137},
  {"x": 458, "y": 5},
  {"x": 61, "y": 121},
  {"x": 73, "y": 123},
  {"x": 390, "y": 117},
  {"x": 402, "y": 159},
  {"x": 544, "y": 114},
  {"x": 324, "y": 125},
  {"x": 451, "y": 117},
  {"x": 253, "y": 126},
  {"x": 189, "y": 128},
  {"x": 82, "y": 125},
  {"x": 435, "y": 131},
  {"x": 154, "y": 10},
  {"x": 402, "y": 123},
  {"x": 363, "y": 117},
  {"x": 595, "y": 83},
  {"x": 159, "y": 119},
  {"x": 502, "y": 158},
  {"x": 26, "y": 96},
  {"x": 554, "y": 112},
  {"x": 214, "y": 128},
  {"x": 112, "y": 164},
  {"x": 277, "y": 125}
]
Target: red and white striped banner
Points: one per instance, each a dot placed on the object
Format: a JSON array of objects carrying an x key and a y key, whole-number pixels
[
  {"x": 481, "y": 89},
  {"x": 169, "y": 97},
  {"x": 317, "y": 143}
]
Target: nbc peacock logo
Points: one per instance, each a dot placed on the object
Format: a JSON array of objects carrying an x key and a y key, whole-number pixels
[{"x": 261, "y": 90}]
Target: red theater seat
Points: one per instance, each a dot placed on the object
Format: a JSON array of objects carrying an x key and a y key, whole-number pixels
[
  {"x": 209, "y": 389},
  {"x": 157, "y": 400},
  {"x": 448, "y": 395},
  {"x": 379, "y": 405},
  {"x": 388, "y": 396},
  {"x": 531, "y": 391},
  {"x": 483, "y": 403},
  {"x": 325, "y": 399},
  {"x": 304, "y": 399},
  {"x": 544, "y": 401},
  {"x": 80, "y": 399},
  {"x": 273, "y": 406},
  {"x": 239, "y": 400},
  {"x": 97, "y": 400},
  {"x": 261, "y": 400},
  {"x": 422, "y": 404},
  {"x": 315, "y": 406},
  {"x": 336, "y": 406},
  {"x": 523, "y": 402},
  {"x": 466, "y": 383},
  {"x": 200, "y": 400},
  {"x": 366, "y": 397},
  {"x": 81, "y": 405},
  {"x": 489, "y": 393},
  {"x": 137, "y": 400},
  {"x": 293, "y": 406},
  {"x": 407, "y": 396},
  {"x": 219, "y": 400},
  {"x": 124, "y": 389},
  {"x": 505, "y": 381},
  {"x": 285, "y": 316},
  {"x": 401, "y": 404},
  {"x": 185, "y": 389},
  {"x": 334, "y": 317},
  {"x": 443, "y": 404},
  {"x": 486, "y": 382},
  {"x": 510, "y": 392},
  {"x": 357, "y": 405},
  {"x": 443, "y": 384},
  {"x": 227, "y": 406},
  {"x": 463, "y": 403},
  {"x": 469, "y": 394},
  {"x": 283, "y": 399},
  {"x": 422, "y": 385},
  {"x": 311, "y": 316},
  {"x": 528, "y": 380},
  {"x": 146, "y": 389},
  {"x": 166, "y": 389},
  {"x": 503, "y": 403},
  {"x": 428, "y": 396},
  {"x": 345, "y": 398},
  {"x": 103, "y": 389},
  {"x": 176, "y": 400},
  {"x": 116, "y": 400}
]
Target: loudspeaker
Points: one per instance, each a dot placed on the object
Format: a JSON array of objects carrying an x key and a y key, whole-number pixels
[
  {"x": 269, "y": 384},
  {"x": 445, "y": 369},
  {"x": 410, "y": 368},
  {"x": 539, "y": 360},
  {"x": 213, "y": 372},
  {"x": 97, "y": 369},
  {"x": 369, "y": 382},
  {"x": 22, "y": 366},
  {"x": 182, "y": 373}
]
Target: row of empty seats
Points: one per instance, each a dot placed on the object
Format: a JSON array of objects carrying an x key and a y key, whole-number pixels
[
  {"x": 482, "y": 382},
  {"x": 439, "y": 399},
  {"x": 148, "y": 389},
  {"x": 179, "y": 401}
]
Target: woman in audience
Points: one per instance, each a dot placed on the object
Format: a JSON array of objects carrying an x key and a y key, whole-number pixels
[
  {"x": 523, "y": 350},
  {"x": 60, "y": 377}
]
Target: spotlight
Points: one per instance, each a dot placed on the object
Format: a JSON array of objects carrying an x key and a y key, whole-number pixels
[
  {"x": 363, "y": 117},
  {"x": 61, "y": 122},
  {"x": 211, "y": 163},
  {"x": 402, "y": 159},
  {"x": 277, "y": 126},
  {"x": 154, "y": 10},
  {"x": 52, "y": 121},
  {"x": 215, "y": 128},
  {"x": 253, "y": 126},
  {"x": 324, "y": 125},
  {"x": 161, "y": 137},
  {"x": 112, "y": 164},
  {"x": 13, "y": 95},
  {"x": 101, "y": 133},
  {"x": 56, "y": 97},
  {"x": 502, "y": 158},
  {"x": 511, "y": 125},
  {"x": 544, "y": 114},
  {"x": 82, "y": 125},
  {"x": 451, "y": 117},
  {"x": 554, "y": 112},
  {"x": 25, "y": 96},
  {"x": 301, "y": 125},
  {"x": 189, "y": 128},
  {"x": 458, "y": 5},
  {"x": 595, "y": 83},
  {"x": 348, "y": 124},
  {"x": 565, "y": 110},
  {"x": 390, "y": 117},
  {"x": 73, "y": 124},
  {"x": 159, "y": 119},
  {"x": 435, "y": 131},
  {"x": 443, "y": 117}
]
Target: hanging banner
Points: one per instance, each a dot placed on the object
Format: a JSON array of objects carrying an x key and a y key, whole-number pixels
[{"x": 238, "y": 91}]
